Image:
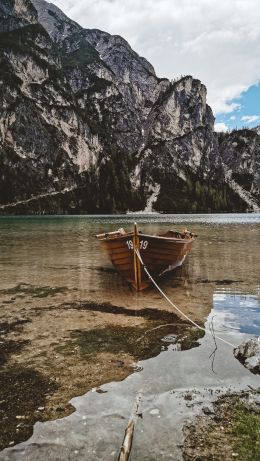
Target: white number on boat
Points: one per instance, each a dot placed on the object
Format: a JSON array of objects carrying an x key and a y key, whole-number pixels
[
  {"x": 143, "y": 244},
  {"x": 130, "y": 244}
]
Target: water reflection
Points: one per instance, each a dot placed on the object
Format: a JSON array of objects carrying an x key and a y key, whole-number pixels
[{"x": 238, "y": 311}]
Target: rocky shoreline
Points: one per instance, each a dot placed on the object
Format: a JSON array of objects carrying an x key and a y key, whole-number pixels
[{"x": 229, "y": 430}]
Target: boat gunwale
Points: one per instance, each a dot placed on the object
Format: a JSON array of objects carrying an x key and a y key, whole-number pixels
[{"x": 141, "y": 235}]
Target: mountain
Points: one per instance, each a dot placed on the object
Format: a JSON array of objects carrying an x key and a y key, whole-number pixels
[
  {"x": 240, "y": 155},
  {"x": 86, "y": 126}
]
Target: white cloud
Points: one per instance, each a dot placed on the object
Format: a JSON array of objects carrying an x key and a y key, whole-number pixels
[
  {"x": 250, "y": 118},
  {"x": 233, "y": 117},
  {"x": 221, "y": 127},
  {"x": 217, "y": 42}
]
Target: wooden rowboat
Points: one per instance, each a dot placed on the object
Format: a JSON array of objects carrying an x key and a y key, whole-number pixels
[{"x": 159, "y": 253}]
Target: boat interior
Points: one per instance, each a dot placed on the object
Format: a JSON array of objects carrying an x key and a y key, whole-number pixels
[{"x": 185, "y": 234}]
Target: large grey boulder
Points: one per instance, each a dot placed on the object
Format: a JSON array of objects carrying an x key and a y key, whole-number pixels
[{"x": 248, "y": 353}]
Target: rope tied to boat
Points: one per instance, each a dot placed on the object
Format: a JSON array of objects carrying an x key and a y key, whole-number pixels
[{"x": 176, "y": 307}]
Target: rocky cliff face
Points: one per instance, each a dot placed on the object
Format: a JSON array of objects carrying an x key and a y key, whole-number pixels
[
  {"x": 87, "y": 126},
  {"x": 240, "y": 154}
]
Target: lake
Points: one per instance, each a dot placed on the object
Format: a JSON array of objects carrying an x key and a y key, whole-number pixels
[{"x": 70, "y": 324}]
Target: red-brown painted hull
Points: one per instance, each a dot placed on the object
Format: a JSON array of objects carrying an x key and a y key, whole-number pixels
[{"x": 159, "y": 254}]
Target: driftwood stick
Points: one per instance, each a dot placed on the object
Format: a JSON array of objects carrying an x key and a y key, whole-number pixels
[
  {"x": 127, "y": 442},
  {"x": 129, "y": 433}
]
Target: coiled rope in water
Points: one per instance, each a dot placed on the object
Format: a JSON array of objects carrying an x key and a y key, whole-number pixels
[{"x": 176, "y": 307}]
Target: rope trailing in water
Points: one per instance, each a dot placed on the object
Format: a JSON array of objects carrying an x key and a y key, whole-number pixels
[{"x": 176, "y": 307}]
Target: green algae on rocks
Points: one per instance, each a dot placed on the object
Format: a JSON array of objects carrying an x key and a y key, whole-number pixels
[{"x": 141, "y": 342}]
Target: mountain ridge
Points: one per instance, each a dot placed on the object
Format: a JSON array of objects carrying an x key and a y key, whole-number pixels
[{"x": 87, "y": 122}]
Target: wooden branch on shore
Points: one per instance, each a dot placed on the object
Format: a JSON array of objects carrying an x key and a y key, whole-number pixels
[{"x": 129, "y": 433}]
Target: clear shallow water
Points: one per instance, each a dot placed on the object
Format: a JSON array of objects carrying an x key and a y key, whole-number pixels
[
  {"x": 61, "y": 254},
  {"x": 219, "y": 282},
  {"x": 62, "y": 251}
]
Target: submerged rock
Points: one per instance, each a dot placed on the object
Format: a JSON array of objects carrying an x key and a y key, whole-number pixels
[{"x": 248, "y": 353}]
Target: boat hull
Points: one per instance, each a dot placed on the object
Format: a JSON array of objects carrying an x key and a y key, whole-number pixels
[{"x": 158, "y": 254}]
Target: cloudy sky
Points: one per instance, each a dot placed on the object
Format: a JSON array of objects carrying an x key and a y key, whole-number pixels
[{"x": 215, "y": 41}]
